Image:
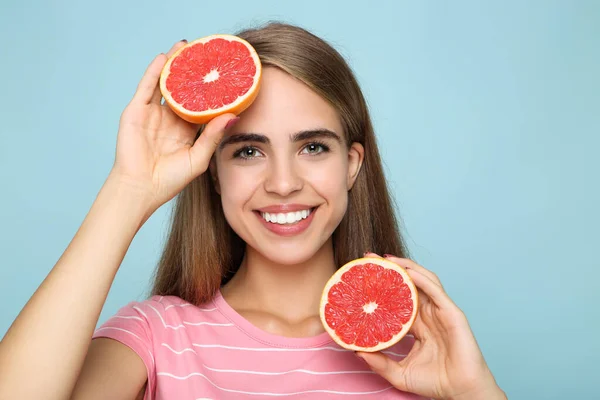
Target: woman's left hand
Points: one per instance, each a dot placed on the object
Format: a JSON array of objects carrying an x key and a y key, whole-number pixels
[{"x": 445, "y": 361}]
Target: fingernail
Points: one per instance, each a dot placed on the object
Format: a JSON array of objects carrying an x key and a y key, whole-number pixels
[
  {"x": 184, "y": 40},
  {"x": 388, "y": 255},
  {"x": 231, "y": 123},
  {"x": 366, "y": 252},
  {"x": 360, "y": 357}
]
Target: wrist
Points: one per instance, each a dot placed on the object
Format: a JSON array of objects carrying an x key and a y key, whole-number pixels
[
  {"x": 481, "y": 387},
  {"x": 490, "y": 392},
  {"x": 133, "y": 198}
]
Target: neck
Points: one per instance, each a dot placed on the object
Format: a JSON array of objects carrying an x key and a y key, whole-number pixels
[{"x": 291, "y": 291}]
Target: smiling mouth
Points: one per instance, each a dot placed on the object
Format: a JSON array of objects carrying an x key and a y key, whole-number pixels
[{"x": 289, "y": 218}]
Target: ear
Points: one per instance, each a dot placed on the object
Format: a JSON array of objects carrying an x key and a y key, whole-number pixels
[
  {"x": 356, "y": 155},
  {"x": 212, "y": 167}
]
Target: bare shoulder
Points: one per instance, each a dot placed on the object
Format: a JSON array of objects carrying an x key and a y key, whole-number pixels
[{"x": 111, "y": 371}]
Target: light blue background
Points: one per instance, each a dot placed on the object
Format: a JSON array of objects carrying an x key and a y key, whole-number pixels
[{"x": 488, "y": 119}]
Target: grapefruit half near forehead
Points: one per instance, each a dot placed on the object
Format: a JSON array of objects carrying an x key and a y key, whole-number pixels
[
  {"x": 211, "y": 76},
  {"x": 369, "y": 304}
]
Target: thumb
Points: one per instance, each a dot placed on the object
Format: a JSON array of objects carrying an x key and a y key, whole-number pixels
[
  {"x": 389, "y": 369},
  {"x": 203, "y": 149}
]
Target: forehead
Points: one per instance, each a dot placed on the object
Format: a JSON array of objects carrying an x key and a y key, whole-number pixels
[{"x": 285, "y": 105}]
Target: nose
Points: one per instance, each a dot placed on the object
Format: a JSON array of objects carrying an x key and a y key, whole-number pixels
[{"x": 283, "y": 177}]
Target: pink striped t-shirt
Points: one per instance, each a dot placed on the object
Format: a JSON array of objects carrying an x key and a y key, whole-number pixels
[{"x": 212, "y": 352}]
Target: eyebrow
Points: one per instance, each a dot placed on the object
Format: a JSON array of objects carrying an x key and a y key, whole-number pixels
[{"x": 296, "y": 137}]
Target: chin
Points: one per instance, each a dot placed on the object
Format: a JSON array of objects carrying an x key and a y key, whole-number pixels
[{"x": 288, "y": 255}]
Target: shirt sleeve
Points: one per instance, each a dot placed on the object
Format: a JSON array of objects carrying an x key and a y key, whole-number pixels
[{"x": 131, "y": 327}]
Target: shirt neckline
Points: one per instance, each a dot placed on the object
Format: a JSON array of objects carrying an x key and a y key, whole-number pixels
[{"x": 266, "y": 337}]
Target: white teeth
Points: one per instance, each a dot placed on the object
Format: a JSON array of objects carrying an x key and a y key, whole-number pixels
[{"x": 287, "y": 218}]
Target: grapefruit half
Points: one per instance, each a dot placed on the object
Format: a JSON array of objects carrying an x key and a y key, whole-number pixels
[
  {"x": 369, "y": 304},
  {"x": 211, "y": 76}
]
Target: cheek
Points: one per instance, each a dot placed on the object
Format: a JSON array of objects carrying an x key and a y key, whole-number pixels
[
  {"x": 238, "y": 184},
  {"x": 329, "y": 179},
  {"x": 330, "y": 182}
]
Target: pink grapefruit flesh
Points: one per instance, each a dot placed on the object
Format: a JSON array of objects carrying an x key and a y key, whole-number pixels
[
  {"x": 211, "y": 76},
  {"x": 369, "y": 304}
]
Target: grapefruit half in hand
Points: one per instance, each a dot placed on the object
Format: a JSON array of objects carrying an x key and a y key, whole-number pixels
[
  {"x": 369, "y": 304},
  {"x": 211, "y": 76}
]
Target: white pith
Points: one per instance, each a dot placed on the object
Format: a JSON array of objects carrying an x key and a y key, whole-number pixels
[
  {"x": 211, "y": 76},
  {"x": 369, "y": 306},
  {"x": 286, "y": 218}
]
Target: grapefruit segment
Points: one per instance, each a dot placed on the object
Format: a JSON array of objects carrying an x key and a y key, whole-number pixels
[
  {"x": 369, "y": 304},
  {"x": 211, "y": 76}
]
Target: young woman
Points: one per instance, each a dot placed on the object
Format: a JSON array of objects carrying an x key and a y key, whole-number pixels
[{"x": 268, "y": 206}]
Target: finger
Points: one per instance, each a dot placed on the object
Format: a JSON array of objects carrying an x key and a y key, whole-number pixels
[
  {"x": 157, "y": 95},
  {"x": 176, "y": 47},
  {"x": 202, "y": 151},
  {"x": 410, "y": 264},
  {"x": 419, "y": 329},
  {"x": 149, "y": 82},
  {"x": 430, "y": 288},
  {"x": 389, "y": 369}
]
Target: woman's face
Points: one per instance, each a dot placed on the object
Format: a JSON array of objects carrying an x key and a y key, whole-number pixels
[{"x": 284, "y": 171}]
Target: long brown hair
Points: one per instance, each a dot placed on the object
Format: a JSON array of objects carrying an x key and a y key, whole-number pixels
[{"x": 202, "y": 252}]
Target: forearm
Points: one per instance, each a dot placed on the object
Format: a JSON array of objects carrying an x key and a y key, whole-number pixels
[{"x": 42, "y": 352}]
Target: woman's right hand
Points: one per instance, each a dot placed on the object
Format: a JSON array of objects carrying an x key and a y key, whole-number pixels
[
  {"x": 42, "y": 353},
  {"x": 156, "y": 153}
]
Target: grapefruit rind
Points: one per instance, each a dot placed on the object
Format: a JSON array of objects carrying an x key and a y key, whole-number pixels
[
  {"x": 236, "y": 107},
  {"x": 336, "y": 277}
]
